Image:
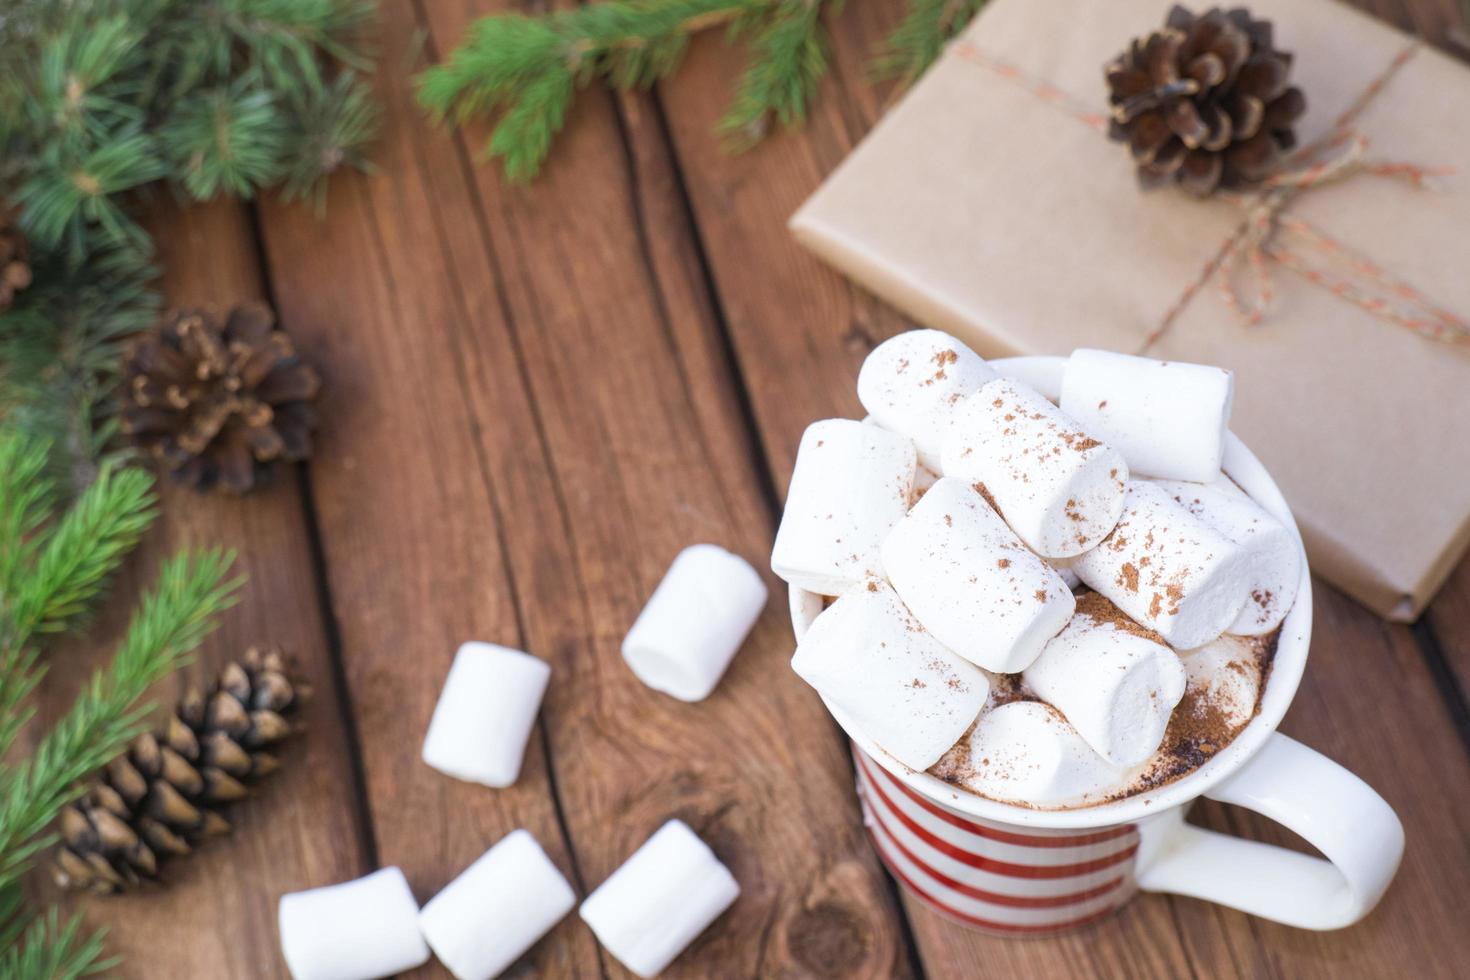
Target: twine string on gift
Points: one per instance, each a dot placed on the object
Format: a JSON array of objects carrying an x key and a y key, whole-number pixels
[{"x": 1267, "y": 232}]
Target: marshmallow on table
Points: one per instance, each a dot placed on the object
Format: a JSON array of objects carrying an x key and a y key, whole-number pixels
[
  {"x": 1167, "y": 418},
  {"x": 1114, "y": 683},
  {"x": 496, "y": 909},
  {"x": 851, "y": 484},
  {"x": 1058, "y": 488},
  {"x": 357, "y": 930},
  {"x": 1275, "y": 560},
  {"x": 485, "y": 712},
  {"x": 660, "y": 899},
  {"x": 1168, "y": 570},
  {"x": 972, "y": 583},
  {"x": 695, "y": 622},
  {"x": 1226, "y": 675},
  {"x": 871, "y": 658},
  {"x": 1025, "y": 752},
  {"x": 912, "y": 383}
]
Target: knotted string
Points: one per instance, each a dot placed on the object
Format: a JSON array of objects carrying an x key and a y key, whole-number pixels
[{"x": 1267, "y": 232}]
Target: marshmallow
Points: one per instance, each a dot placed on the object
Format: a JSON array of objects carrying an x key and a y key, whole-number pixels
[
  {"x": 353, "y": 931},
  {"x": 1167, "y": 418},
  {"x": 1271, "y": 549},
  {"x": 913, "y": 382},
  {"x": 695, "y": 622},
  {"x": 1168, "y": 570},
  {"x": 662, "y": 897},
  {"x": 972, "y": 583},
  {"x": 1226, "y": 675},
  {"x": 1057, "y": 487},
  {"x": 496, "y": 909},
  {"x": 1113, "y": 682},
  {"x": 851, "y": 485},
  {"x": 869, "y": 656},
  {"x": 485, "y": 712},
  {"x": 1025, "y": 752}
]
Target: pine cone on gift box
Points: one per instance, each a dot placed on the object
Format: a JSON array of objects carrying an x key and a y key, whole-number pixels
[
  {"x": 161, "y": 798},
  {"x": 15, "y": 260},
  {"x": 1204, "y": 102},
  {"x": 219, "y": 402}
]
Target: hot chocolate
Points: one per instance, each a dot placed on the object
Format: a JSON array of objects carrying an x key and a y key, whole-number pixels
[{"x": 1034, "y": 622}]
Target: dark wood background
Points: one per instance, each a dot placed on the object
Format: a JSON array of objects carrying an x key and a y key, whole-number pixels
[{"x": 535, "y": 397}]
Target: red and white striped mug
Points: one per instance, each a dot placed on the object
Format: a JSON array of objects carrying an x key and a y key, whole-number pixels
[{"x": 1018, "y": 871}]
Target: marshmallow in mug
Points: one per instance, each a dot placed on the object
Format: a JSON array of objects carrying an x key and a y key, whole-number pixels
[
  {"x": 1057, "y": 487},
  {"x": 913, "y": 382},
  {"x": 1116, "y": 685},
  {"x": 1167, "y": 418},
  {"x": 1168, "y": 570},
  {"x": 1227, "y": 676},
  {"x": 485, "y": 713},
  {"x": 660, "y": 899},
  {"x": 1276, "y": 563},
  {"x": 695, "y": 622},
  {"x": 972, "y": 583},
  {"x": 871, "y": 658},
  {"x": 483, "y": 920},
  {"x": 851, "y": 484},
  {"x": 1025, "y": 752},
  {"x": 356, "y": 930}
]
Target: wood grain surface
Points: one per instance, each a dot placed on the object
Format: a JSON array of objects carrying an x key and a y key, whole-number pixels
[{"x": 535, "y": 396}]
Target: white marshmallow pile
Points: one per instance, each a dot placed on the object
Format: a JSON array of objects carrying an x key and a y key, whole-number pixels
[
  {"x": 852, "y": 482},
  {"x": 485, "y": 713},
  {"x": 953, "y": 525},
  {"x": 353, "y": 931},
  {"x": 662, "y": 897},
  {"x": 695, "y": 622},
  {"x": 496, "y": 909}
]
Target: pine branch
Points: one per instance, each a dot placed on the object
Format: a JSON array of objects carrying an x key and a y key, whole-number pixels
[
  {"x": 52, "y": 950},
  {"x": 920, "y": 38},
  {"x": 790, "y": 60},
  {"x": 60, "y": 348},
  {"x": 83, "y": 550},
  {"x": 169, "y": 623},
  {"x": 526, "y": 69}
]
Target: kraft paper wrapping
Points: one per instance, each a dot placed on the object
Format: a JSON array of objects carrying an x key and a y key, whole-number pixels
[{"x": 979, "y": 208}]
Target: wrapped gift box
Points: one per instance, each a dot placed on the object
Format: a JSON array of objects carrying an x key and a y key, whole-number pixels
[{"x": 987, "y": 203}]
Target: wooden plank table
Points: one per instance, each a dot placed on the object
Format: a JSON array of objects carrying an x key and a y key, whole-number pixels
[{"x": 535, "y": 397}]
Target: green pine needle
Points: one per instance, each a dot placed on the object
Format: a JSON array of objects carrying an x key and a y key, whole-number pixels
[
  {"x": 227, "y": 139},
  {"x": 50, "y": 949},
  {"x": 788, "y": 62},
  {"x": 526, "y": 70}
]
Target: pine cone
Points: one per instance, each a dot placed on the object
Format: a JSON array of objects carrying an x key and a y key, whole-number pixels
[
  {"x": 161, "y": 797},
  {"x": 1205, "y": 102},
  {"x": 219, "y": 404},
  {"x": 15, "y": 260}
]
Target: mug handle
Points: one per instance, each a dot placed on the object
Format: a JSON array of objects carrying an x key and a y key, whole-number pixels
[{"x": 1339, "y": 814}]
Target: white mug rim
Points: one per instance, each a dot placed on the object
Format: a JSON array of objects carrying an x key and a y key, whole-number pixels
[{"x": 1241, "y": 465}]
